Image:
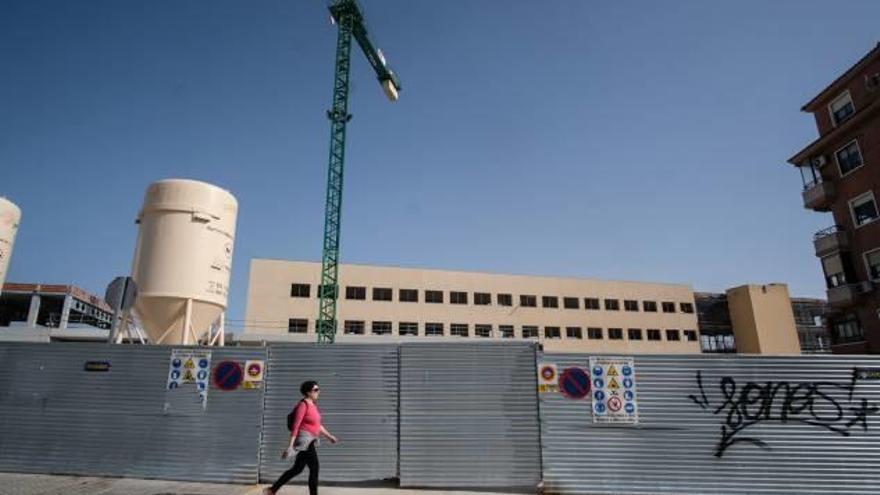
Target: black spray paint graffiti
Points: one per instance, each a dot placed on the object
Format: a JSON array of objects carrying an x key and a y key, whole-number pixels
[{"x": 827, "y": 405}]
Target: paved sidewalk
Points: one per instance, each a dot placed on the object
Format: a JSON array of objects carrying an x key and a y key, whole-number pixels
[{"x": 44, "y": 484}]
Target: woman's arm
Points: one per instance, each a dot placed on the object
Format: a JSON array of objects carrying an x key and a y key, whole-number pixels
[
  {"x": 328, "y": 435},
  {"x": 297, "y": 421}
]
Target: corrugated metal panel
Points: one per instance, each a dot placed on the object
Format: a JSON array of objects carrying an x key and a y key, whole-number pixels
[
  {"x": 358, "y": 404},
  {"x": 673, "y": 449},
  {"x": 57, "y": 418},
  {"x": 469, "y": 416}
]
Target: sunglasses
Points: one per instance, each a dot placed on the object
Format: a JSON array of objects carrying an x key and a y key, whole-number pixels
[{"x": 316, "y": 389}]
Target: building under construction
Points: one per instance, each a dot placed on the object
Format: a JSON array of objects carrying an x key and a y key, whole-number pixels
[{"x": 379, "y": 303}]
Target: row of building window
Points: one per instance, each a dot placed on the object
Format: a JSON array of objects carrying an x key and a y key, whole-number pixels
[
  {"x": 839, "y": 269},
  {"x": 485, "y": 299},
  {"x": 359, "y": 327},
  {"x": 847, "y": 330}
]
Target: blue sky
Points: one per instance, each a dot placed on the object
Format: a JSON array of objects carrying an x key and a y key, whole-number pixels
[{"x": 617, "y": 140}]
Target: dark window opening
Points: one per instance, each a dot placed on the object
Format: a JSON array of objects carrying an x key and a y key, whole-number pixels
[
  {"x": 297, "y": 325},
  {"x": 458, "y": 297},
  {"x": 408, "y": 295},
  {"x": 382, "y": 294},
  {"x": 300, "y": 290},
  {"x": 356, "y": 293}
]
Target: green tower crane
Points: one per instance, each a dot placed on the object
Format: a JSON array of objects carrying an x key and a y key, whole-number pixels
[{"x": 349, "y": 18}]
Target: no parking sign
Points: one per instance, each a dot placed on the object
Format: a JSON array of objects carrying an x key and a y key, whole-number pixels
[
  {"x": 228, "y": 375},
  {"x": 574, "y": 383}
]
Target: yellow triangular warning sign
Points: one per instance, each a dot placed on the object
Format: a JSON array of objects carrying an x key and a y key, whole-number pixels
[
  {"x": 189, "y": 364},
  {"x": 613, "y": 385},
  {"x": 612, "y": 371},
  {"x": 188, "y": 376}
]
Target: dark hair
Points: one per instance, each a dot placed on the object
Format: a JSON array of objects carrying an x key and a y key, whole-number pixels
[{"x": 307, "y": 387}]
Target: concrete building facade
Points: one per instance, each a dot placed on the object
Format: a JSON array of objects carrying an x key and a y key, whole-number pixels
[
  {"x": 811, "y": 316},
  {"x": 762, "y": 318},
  {"x": 841, "y": 175},
  {"x": 565, "y": 314},
  {"x": 717, "y": 333},
  {"x": 43, "y": 312}
]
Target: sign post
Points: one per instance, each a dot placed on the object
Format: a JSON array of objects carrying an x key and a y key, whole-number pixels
[{"x": 120, "y": 295}]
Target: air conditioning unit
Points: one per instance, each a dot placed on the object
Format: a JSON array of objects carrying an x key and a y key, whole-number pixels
[
  {"x": 818, "y": 161},
  {"x": 872, "y": 82}
]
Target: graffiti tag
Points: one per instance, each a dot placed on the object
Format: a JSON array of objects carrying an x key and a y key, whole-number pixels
[{"x": 827, "y": 405}]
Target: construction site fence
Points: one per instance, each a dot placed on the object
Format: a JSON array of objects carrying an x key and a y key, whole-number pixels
[{"x": 483, "y": 415}]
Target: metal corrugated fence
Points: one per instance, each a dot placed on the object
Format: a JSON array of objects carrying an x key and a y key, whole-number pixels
[
  {"x": 469, "y": 416},
  {"x": 768, "y": 425},
  {"x": 358, "y": 404},
  {"x": 55, "y": 417}
]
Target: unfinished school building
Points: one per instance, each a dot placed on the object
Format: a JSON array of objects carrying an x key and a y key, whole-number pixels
[{"x": 379, "y": 303}]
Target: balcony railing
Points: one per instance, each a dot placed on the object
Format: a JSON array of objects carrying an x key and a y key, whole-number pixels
[
  {"x": 827, "y": 231},
  {"x": 830, "y": 240},
  {"x": 818, "y": 195},
  {"x": 848, "y": 294},
  {"x": 811, "y": 184}
]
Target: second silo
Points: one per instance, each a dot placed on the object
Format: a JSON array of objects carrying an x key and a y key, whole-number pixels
[
  {"x": 10, "y": 216},
  {"x": 183, "y": 259}
]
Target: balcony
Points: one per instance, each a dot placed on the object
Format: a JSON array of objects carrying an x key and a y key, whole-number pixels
[
  {"x": 818, "y": 195},
  {"x": 830, "y": 240},
  {"x": 847, "y": 295}
]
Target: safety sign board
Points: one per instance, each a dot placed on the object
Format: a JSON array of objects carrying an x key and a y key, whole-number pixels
[
  {"x": 614, "y": 390},
  {"x": 574, "y": 383},
  {"x": 547, "y": 378},
  {"x": 253, "y": 374},
  {"x": 228, "y": 375},
  {"x": 189, "y": 367}
]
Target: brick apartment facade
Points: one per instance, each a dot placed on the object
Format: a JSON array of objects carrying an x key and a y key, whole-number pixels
[{"x": 841, "y": 175}]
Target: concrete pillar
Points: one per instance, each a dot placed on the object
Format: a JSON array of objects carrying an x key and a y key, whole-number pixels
[
  {"x": 34, "y": 310},
  {"x": 762, "y": 318},
  {"x": 65, "y": 312}
]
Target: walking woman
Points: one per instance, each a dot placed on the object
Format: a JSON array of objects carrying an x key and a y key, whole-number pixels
[{"x": 304, "y": 434}]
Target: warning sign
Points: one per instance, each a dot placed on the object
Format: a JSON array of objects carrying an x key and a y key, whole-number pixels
[
  {"x": 614, "y": 390},
  {"x": 188, "y": 368},
  {"x": 253, "y": 375},
  {"x": 547, "y": 378},
  {"x": 253, "y": 371}
]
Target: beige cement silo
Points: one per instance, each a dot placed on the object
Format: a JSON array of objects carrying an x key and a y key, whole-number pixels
[
  {"x": 10, "y": 216},
  {"x": 183, "y": 259}
]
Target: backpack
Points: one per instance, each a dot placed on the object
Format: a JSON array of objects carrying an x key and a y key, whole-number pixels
[{"x": 291, "y": 417}]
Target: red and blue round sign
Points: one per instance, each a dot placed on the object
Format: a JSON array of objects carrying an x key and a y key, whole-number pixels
[
  {"x": 574, "y": 383},
  {"x": 227, "y": 375}
]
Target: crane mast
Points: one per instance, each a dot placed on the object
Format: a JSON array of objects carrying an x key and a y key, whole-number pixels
[{"x": 349, "y": 20}]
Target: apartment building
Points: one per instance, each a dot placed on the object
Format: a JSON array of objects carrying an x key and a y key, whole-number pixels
[{"x": 841, "y": 175}]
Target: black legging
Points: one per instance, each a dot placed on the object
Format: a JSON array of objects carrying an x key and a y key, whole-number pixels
[{"x": 308, "y": 457}]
